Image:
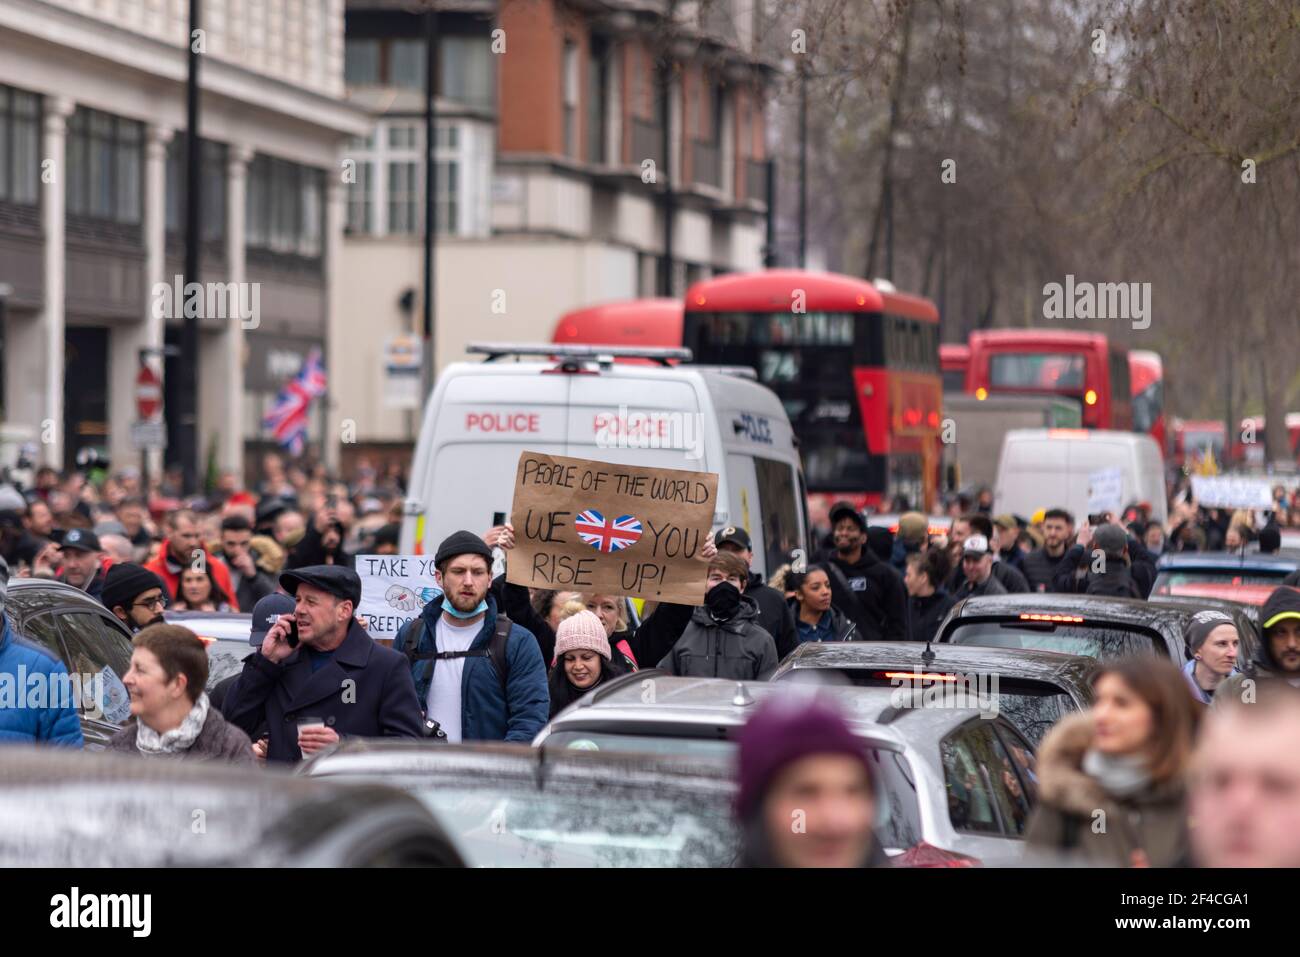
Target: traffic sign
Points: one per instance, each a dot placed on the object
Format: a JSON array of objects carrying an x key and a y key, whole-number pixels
[
  {"x": 149, "y": 434},
  {"x": 148, "y": 393}
]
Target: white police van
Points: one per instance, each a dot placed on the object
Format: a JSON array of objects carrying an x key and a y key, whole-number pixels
[{"x": 575, "y": 400}]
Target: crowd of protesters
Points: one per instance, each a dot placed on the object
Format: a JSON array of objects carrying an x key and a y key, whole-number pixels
[{"x": 488, "y": 660}]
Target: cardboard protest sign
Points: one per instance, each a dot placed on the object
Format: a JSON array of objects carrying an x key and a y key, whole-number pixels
[
  {"x": 620, "y": 529},
  {"x": 1105, "y": 490},
  {"x": 394, "y": 589}
]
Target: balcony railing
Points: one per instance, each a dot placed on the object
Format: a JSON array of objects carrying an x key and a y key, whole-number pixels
[{"x": 707, "y": 163}]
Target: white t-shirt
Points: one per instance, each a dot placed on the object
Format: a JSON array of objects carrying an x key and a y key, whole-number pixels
[{"x": 443, "y": 705}]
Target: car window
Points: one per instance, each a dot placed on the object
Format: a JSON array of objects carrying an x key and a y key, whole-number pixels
[
  {"x": 1023, "y": 760},
  {"x": 1091, "y": 640},
  {"x": 1009, "y": 790},
  {"x": 43, "y": 630},
  {"x": 100, "y": 654},
  {"x": 969, "y": 770},
  {"x": 898, "y": 820}
]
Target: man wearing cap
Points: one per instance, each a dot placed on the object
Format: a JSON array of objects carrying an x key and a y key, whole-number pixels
[
  {"x": 1108, "y": 570},
  {"x": 977, "y": 568},
  {"x": 458, "y": 652},
  {"x": 33, "y": 718},
  {"x": 913, "y": 535},
  {"x": 1008, "y": 576},
  {"x": 134, "y": 594},
  {"x": 326, "y": 679},
  {"x": 774, "y": 615},
  {"x": 81, "y": 566},
  {"x": 1278, "y": 660},
  {"x": 181, "y": 549},
  {"x": 1007, "y": 536},
  {"x": 1213, "y": 640},
  {"x": 863, "y": 587}
]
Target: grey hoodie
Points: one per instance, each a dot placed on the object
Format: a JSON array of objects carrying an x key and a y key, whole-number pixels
[{"x": 738, "y": 649}]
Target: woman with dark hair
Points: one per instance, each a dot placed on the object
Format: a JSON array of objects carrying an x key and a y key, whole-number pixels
[
  {"x": 806, "y": 796},
  {"x": 196, "y": 591},
  {"x": 928, "y": 601},
  {"x": 583, "y": 660},
  {"x": 815, "y": 618},
  {"x": 171, "y": 713},
  {"x": 1111, "y": 780}
]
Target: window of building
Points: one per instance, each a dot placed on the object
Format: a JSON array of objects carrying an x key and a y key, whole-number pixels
[
  {"x": 597, "y": 98},
  {"x": 468, "y": 71},
  {"x": 406, "y": 63},
  {"x": 361, "y": 61},
  {"x": 104, "y": 167},
  {"x": 466, "y": 66},
  {"x": 20, "y": 128},
  {"x": 570, "y": 99},
  {"x": 388, "y": 195},
  {"x": 212, "y": 213},
  {"x": 283, "y": 207}
]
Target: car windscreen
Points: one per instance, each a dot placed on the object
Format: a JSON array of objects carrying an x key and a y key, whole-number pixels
[
  {"x": 1221, "y": 576},
  {"x": 1093, "y": 640},
  {"x": 510, "y": 823},
  {"x": 898, "y": 818},
  {"x": 1032, "y": 706},
  {"x": 226, "y": 658}
]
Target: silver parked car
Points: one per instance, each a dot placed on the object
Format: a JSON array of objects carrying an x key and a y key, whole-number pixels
[
  {"x": 72, "y": 810},
  {"x": 950, "y": 777},
  {"x": 226, "y": 635}
]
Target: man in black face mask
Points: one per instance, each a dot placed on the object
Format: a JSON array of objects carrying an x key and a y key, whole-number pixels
[
  {"x": 723, "y": 638},
  {"x": 135, "y": 595}
]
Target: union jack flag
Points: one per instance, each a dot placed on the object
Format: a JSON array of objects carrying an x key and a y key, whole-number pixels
[
  {"x": 607, "y": 534},
  {"x": 287, "y": 419}
]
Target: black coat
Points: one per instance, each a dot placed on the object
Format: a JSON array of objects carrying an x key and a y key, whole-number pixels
[
  {"x": 364, "y": 691},
  {"x": 1115, "y": 582},
  {"x": 1038, "y": 567},
  {"x": 773, "y": 614},
  {"x": 870, "y": 592},
  {"x": 927, "y": 613},
  {"x": 1010, "y": 577}
]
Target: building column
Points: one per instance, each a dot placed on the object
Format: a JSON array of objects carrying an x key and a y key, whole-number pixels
[
  {"x": 125, "y": 342},
  {"x": 232, "y": 443},
  {"x": 336, "y": 323},
  {"x": 54, "y": 150}
]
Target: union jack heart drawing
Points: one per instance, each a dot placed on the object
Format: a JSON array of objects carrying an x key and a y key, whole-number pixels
[{"x": 607, "y": 534}]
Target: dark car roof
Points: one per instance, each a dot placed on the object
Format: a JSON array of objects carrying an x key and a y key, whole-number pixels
[
  {"x": 1244, "y": 609},
  {"x": 376, "y": 758},
  {"x": 1028, "y": 664},
  {"x": 29, "y": 596},
  {"x": 65, "y": 809},
  {"x": 1227, "y": 561}
]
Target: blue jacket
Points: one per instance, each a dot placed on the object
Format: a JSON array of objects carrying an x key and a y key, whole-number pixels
[
  {"x": 363, "y": 691},
  {"x": 485, "y": 714},
  {"x": 20, "y": 723}
]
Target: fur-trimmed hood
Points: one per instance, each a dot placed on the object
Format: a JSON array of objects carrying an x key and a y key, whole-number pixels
[{"x": 1062, "y": 782}]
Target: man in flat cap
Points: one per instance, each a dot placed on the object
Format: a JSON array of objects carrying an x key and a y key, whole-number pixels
[{"x": 318, "y": 676}]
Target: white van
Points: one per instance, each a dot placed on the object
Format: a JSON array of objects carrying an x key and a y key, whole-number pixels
[
  {"x": 1049, "y": 468},
  {"x": 581, "y": 403}
]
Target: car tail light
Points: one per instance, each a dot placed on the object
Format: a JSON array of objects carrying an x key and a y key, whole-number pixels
[
  {"x": 915, "y": 675},
  {"x": 1037, "y": 617},
  {"x": 927, "y": 855}
]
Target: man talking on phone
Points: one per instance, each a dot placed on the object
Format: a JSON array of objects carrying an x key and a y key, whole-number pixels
[{"x": 318, "y": 677}]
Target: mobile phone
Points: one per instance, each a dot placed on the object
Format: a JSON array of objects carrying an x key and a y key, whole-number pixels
[
  {"x": 1098, "y": 518},
  {"x": 498, "y": 518},
  {"x": 293, "y": 634}
]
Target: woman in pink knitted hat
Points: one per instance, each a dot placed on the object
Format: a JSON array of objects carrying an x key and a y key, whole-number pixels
[{"x": 582, "y": 660}]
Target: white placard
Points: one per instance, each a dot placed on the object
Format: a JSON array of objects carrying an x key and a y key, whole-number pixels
[
  {"x": 394, "y": 590},
  {"x": 1231, "y": 491},
  {"x": 1105, "y": 491}
]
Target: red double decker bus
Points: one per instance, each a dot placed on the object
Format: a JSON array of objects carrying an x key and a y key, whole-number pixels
[
  {"x": 1146, "y": 372},
  {"x": 856, "y": 367},
  {"x": 1079, "y": 365}
]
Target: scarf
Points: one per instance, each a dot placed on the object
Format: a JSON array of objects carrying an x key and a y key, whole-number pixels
[
  {"x": 180, "y": 738},
  {"x": 1120, "y": 775}
]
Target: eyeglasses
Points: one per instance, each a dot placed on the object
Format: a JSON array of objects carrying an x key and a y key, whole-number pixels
[{"x": 158, "y": 602}]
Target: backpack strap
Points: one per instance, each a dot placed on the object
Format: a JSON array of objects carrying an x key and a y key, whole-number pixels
[{"x": 494, "y": 652}]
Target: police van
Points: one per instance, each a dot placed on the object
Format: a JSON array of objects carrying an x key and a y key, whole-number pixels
[{"x": 574, "y": 400}]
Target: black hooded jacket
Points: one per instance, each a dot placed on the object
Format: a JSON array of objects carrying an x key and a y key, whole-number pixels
[
  {"x": 773, "y": 614},
  {"x": 927, "y": 612},
  {"x": 870, "y": 592}
]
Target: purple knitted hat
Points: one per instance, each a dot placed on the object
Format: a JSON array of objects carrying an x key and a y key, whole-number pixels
[{"x": 785, "y": 730}]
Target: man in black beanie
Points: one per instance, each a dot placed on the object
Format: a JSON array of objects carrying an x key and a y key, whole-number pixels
[
  {"x": 478, "y": 675},
  {"x": 135, "y": 595}
]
